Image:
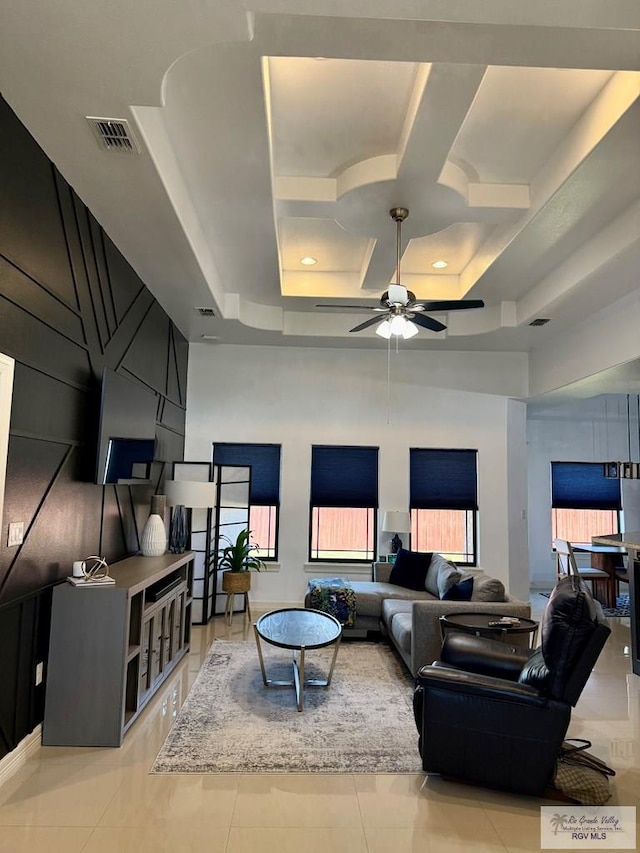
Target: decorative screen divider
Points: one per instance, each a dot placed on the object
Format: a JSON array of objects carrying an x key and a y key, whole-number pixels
[
  {"x": 200, "y": 540},
  {"x": 231, "y": 516},
  {"x": 207, "y": 526}
]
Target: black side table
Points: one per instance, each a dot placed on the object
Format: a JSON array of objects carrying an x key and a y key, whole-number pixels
[{"x": 488, "y": 625}]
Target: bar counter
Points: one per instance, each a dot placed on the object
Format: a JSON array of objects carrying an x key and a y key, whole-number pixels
[{"x": 631, "y": 541}]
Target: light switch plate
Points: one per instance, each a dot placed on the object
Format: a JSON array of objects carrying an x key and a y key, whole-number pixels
[{"x": 16, "y": 533}]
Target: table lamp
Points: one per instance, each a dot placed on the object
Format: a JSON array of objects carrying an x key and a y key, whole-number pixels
[
  {"x": 396, "y": 522},
  {"x": 191, "y": 494}
]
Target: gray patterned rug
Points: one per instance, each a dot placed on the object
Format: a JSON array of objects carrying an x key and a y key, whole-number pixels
[{"x": 231, "y": 723}]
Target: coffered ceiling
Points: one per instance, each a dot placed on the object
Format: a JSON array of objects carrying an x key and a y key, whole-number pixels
[{"x": 274, "y": 130}]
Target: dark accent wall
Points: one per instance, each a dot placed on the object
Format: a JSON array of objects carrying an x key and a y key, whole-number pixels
[{"x": 70, "y": 305}]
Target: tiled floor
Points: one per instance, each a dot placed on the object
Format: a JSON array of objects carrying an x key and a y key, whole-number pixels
[{"x": 104, "y": 800}]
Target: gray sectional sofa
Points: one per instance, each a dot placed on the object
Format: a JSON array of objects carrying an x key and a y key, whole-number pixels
[{"x": 411, "y": 618}]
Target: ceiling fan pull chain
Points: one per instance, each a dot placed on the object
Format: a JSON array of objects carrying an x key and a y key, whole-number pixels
[{"x": 388, "y": 380}]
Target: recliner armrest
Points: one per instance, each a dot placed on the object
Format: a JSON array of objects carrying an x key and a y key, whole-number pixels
[
  {"x": 475, "y": 684},
  {"x": 483, "y": 655}
]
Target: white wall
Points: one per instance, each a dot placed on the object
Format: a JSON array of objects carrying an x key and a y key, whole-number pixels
[
  {"x": 300, "y": 397},
  {"x": 592, "y": 430}
]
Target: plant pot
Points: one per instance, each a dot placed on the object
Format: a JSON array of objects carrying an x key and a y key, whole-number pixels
[{"x": 236, "y": 582}]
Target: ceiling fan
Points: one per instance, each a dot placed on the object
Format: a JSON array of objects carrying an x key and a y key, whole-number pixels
[{"x": 401, "y": 312}]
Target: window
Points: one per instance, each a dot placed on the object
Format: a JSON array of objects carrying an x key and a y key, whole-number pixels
[
  {"x": 584, "y": 503},
  {"x": 264, "y": 496},
  {"x": 443, "y": 502},
  {"x": 344, "y": 500}
]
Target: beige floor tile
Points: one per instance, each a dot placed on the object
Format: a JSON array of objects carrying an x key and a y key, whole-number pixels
[
  {"x": 144, "y": 799},
  {"x": 296, "y": 840},
  {"x": 422, "y": 839},
  {"x": 162, "y": 837},
  {"x": 296, "y": 801},
  {"x": 43, "y": 839},
  {"x": 517, "y": 827},
  {"x": 61, "y": 795},
  {"x": 411, "y": 801}
]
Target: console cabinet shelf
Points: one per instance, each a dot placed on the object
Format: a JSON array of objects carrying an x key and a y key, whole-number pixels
[{"x": 113, "y": 646}]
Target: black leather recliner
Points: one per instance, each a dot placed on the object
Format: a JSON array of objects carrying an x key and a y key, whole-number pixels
[{"x": 490, "y": 715}]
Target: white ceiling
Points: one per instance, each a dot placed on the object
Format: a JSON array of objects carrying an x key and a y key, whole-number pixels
[{"x": 275, "y": 129}]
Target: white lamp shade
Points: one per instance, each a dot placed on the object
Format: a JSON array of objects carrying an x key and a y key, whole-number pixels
[
  {"x": 384, "y": 329},
  {"x": 398, "y": 327},
  {"x": 410, "y": 329},
  {"x": 396, "y": 522},
  {"x": 190, "y": 493}
]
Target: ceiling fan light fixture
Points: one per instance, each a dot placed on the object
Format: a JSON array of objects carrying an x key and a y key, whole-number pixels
[
  {"x": 410, "y": 329},
  {"x": 396, "y": 326},
  {"x": 384, "y": 330}
]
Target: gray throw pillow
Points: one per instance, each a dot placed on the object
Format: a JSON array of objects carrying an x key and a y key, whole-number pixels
[
  {"x": 437, "y": 563},
  {"x": 448, "y": 576},
  {"x": 486, "y": 588}
]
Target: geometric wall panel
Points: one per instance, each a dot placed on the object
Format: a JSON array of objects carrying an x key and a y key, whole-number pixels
[{"x": 70, "y": 305}]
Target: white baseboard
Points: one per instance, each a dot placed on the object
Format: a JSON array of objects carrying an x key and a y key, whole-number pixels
[
  {"x": 273, "y": 605},
  {"x": 18, "y": 757}
]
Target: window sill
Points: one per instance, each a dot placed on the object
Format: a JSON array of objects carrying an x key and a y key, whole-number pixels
[{"x": 338, "y": 569}]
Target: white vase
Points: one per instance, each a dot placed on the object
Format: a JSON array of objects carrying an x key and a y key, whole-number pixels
[{"x": 153, "y": 542}]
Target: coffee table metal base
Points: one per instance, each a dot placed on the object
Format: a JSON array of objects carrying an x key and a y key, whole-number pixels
[{"x": 298, "y": 682}]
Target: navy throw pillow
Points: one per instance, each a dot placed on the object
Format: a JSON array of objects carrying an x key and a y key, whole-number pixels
[
  {"x": 410, "y": 569},
  {"x": 459, "y": 591}
]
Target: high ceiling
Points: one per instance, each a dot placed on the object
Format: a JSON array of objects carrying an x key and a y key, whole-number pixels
[{"x": 275, "y": 130}]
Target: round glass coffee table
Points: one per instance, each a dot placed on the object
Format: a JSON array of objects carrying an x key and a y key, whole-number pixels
[{"x": 298, "y": 629}]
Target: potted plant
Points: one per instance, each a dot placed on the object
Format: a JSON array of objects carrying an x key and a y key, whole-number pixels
[{"x": 236, "y": 561}]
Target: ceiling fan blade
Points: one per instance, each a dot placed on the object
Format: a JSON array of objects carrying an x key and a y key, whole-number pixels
[
  {"x": 428, "y": 323},
  {"x": 366, "y": 324},
  {"x": 353, "y": 307},
  {"x": 446, "y": 305}
]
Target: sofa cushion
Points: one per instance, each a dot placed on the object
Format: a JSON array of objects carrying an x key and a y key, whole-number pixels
[
  {"x": 370, "y": 596},
  {"x": 410, "y": 569},
  {"x": 391, "y": 607},
  {"x": 401, "y": 630},
  {"x": 438, "y": 564},
  {"x": 486, "y": 588}
]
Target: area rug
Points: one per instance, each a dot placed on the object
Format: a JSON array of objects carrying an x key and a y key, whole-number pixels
[{"x": 231, "y": 723}]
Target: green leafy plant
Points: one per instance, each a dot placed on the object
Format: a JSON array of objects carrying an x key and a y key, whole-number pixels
[{"x": 237, "y": 556}]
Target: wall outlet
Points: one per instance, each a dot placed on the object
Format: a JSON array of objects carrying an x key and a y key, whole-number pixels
[
  {"x": 39, "y": 673},
  {"x": 16, "y": 533}
]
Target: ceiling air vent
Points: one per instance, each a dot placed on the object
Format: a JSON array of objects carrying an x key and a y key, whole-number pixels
[
  {"x": 540, "y": 321},
  {"x": 206, "y": 312},
  {"x": 114, "y": 134}
]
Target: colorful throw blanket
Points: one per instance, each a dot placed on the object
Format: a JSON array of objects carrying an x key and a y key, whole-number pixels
[{"x": 334, "y": 596}]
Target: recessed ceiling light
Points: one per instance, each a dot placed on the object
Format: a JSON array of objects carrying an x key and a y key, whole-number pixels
[
  {"x": 308, "y": 261},
  {"x": 439, "y": 265}
]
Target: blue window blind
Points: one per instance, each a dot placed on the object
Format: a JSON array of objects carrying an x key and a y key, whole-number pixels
[
  {"x": 442, "y": 479},
  {"x": 582, "y": 485},
  {"x": 265, "y": 468},
  {"x": 344, "y": 476}
]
